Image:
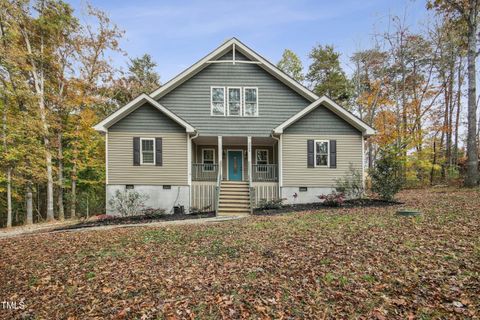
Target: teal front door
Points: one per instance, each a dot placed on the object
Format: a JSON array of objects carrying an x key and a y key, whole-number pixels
[{"x": 235, "y": 165}]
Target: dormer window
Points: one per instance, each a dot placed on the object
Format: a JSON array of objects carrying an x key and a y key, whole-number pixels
[{"x": 217, "y": 101}]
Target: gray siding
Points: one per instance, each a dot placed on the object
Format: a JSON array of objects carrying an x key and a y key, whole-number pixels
[
  {"x": 191, "y": 100},
  {"x": 322, "y": 121},
  {"x": 146, "y": 118}
]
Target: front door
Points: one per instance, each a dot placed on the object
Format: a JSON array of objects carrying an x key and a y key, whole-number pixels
[{"x": 235, "y": 165}]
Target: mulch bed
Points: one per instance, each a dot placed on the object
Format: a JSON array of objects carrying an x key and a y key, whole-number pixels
[
  {"x": 354, "y": 203},
  {"x": 136, "y": 219}
]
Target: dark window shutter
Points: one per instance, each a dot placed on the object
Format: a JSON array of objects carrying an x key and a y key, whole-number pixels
[
  {"x": 333, "y": 153},
  {"x": 310, "y": 154},
  {"x": 136, "y": 151},
  {"x": 158, "y": 152}
]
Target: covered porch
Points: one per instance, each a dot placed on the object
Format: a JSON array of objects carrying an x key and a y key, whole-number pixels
[
  {"x": 214, "y": 159},
  {"x": 234, "y": 159}
]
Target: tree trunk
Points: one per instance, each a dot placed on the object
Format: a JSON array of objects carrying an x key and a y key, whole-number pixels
[
  {"x": 471, "y": 178},
  {"x": 29, "y": 197},
  {"x": 74, "y": 178},
  {"x": 61, "y": 210},
  {"x": 457, "y": 116},
  {"x": 9, "y": 169}
]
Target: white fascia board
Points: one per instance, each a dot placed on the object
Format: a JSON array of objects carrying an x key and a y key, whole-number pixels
[
  {"x": 240, "y": 47},
  {"x": 330, "y": 104},
  {"x": 134, "y": 104}
]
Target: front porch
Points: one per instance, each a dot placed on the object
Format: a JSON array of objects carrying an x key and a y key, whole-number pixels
[
  {"x": 214, "y": 160},
  {"x": 236, "y": 159}
]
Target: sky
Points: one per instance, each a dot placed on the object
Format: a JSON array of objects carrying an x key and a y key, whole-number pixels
[{"x": 179, "y": 33}]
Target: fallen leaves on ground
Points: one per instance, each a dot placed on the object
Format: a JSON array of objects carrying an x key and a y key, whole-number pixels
[{"x": 338, "y": 263}]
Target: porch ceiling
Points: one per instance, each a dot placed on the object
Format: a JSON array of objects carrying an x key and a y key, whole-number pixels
[{"x": 234, "y": 141}]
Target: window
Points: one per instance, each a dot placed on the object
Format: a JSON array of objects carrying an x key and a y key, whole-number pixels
[
  {"x": 208, "y": 159},
  {"x": 261, "y": 158},
  {"x": 251, "y": 102},
  {"x": 234, "y": 102},
  {"x": 218, "y": 101},
  {"x": 321, "y": 153},
  {"x": 147, "y": 151}
]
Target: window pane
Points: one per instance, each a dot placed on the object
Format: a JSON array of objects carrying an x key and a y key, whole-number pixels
[
  {"x": 234, "y": 101},
  {"x": 322, "y": 147},
  {"x": 147, "y": 157},
  {"x": 218, "y": 108},
  {"x": 218, "y": 95},
  {"x": 250, "y": 95},
  {"x": 250, "y": 109},
  {"x": 207, "y": 155},
  {"x": 147, "y": 145},
  {"x": 261, "y": 155},
  {"x": 322, "y": 159}
]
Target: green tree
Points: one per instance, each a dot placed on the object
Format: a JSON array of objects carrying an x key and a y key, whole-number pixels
[
  {"x": 140, "y": 78},
  {"x": 291, "y": 65},
  {"x": 386, "y": 175},
  {"x": 466, "y": 11},
  {"x": 327, "y": 76}
]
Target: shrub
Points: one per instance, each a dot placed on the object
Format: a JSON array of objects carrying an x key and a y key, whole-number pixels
[
  {"x": 334, "y": 199},
  {"x": 195, "y": 210},
  {"x": 351, "y": 185},
  {"x": 265, "y": 204},
  {"x": 386, "y": 174},
  {"x": 128, "y": 202},
  {"x": 153, "y": 213}
]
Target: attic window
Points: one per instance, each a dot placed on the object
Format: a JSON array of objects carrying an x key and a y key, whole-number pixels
[{"x": 217, "y": 101}]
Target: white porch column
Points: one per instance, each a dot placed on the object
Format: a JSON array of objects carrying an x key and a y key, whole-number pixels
[
  {"x": 220, "y": 153},
  {"x": 249, "y": 155}
]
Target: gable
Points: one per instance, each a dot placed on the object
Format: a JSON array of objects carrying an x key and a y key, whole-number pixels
[
  {"x": 322, "y": 121},
  {"x": 146, "y": 118},
  {"x": 276, "y": 101},
  {"x": 238, "y": 56}
]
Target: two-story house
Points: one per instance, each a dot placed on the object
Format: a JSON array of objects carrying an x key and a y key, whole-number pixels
[{"x": 227, "y": 132}]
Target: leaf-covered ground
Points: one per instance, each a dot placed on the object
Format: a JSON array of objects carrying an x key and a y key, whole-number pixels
[{"x": 339, "y": 263}]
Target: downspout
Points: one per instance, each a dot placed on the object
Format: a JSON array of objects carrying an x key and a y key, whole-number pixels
[
  {"x": 279, "y": 160},
  {"x": 189, "y": 170}
]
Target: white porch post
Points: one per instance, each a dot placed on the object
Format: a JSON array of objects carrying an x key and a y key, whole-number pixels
[
  {"x": 220, "y": 153},
  {"x": 249, "y": 155}
]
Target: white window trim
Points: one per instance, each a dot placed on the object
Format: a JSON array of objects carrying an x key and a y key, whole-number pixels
[
  {"x": 141, "y": 152},
  {"x": 315, "y": 153},
  {"x": 203, "y": 159},
  {"x": 244, "y": 101},
  {"x": 224, "y": 101},
  {"x": 256, "y": 157},
  {"x": 227, "y": 106}
]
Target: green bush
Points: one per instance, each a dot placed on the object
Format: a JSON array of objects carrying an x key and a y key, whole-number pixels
[
  {"x": 128, "y": 202},
  {"x": 351, "y": 185},
  {"x": 386, "y": 174},
  {"x": 265, "y": 204}
]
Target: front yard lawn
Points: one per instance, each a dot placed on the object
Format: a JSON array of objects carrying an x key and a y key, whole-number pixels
[{"x": 338, "y": 263}]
